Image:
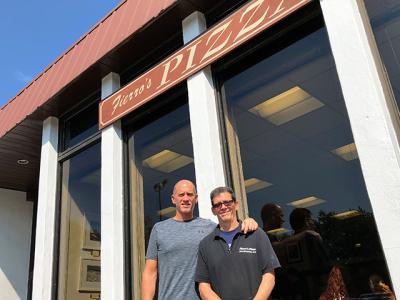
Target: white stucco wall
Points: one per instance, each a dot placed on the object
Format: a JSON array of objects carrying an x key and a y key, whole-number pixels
[{"x": 15, "y": 241}]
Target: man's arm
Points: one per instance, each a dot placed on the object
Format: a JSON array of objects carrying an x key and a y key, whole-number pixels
[
  {"x": 266, "y": 286},
  {"x": 149, "y": 279},
  {"x": 206, "y": 292}
]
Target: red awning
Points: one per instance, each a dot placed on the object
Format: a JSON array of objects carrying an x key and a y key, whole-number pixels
[{"x": 124, "y": 20}]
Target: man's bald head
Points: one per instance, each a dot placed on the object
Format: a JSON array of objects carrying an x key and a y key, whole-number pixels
[
  {"x": 184, "y": 182},
  {"x": 184, "y": 197}
]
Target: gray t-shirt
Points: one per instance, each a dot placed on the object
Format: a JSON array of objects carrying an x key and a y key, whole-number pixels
[{"x": 174, "y": 244}]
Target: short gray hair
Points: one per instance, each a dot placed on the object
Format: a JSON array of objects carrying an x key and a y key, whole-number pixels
[{"x": 222, "y": 189}]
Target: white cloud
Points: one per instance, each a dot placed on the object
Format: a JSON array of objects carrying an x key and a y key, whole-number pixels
[{"x": 22, "y": 77}]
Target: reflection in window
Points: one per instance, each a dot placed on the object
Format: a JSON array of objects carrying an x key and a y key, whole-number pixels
[
  {"x": 302, "y": 172},
  {"x": 80, "y": 235},
  {"x": 385, "y": 22},
  {"x": 164, "y": 155},
  {"x": 81, "y": 126}
]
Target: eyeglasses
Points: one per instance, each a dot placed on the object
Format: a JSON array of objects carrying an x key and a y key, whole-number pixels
[{"x": 227, "y": 203}]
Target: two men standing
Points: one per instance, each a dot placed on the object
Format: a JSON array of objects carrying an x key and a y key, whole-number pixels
[{"x": 173, "y": 247}]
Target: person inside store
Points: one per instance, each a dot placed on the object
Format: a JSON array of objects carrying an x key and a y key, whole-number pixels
[
  {"x": 173, "y": 245},
  {"x": 304, "y": 257},
  {"x": 273, "y": 219},
  {"x": 232, "y": 264}
]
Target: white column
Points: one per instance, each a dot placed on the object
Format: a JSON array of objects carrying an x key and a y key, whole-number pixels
[
  {"x": 368, "y": 100},
  {"x": 112, "y": 208},
  {"x": 207, "y": 143},
  {"x": 46, "y": 212}
]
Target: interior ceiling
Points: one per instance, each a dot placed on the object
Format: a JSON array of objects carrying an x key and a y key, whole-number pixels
[
  {"x": 296, "y": 156},
  {"x": 24, "y": 140}
]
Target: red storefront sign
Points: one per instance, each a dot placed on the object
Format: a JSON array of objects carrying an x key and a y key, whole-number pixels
[{"x": 220, "y": 39}]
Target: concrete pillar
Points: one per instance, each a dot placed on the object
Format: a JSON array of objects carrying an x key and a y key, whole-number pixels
[
  {"x": 112, "y": 199},
  {"x": 46, "y": 213},
  {"x": 373, "y": 120},
  {"x": 205, "y": 127}
]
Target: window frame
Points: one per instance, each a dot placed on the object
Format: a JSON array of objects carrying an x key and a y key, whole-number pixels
[{"x": 64, "y": 155}]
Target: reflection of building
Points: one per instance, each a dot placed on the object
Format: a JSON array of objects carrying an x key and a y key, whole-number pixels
[{"x": 300, "y": 114}]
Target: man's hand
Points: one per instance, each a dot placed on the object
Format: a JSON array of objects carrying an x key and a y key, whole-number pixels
[
  {"x": 149, "y": 279},
  {"x": 249, "y": 225},
  {"x": 206, "y": 292}
]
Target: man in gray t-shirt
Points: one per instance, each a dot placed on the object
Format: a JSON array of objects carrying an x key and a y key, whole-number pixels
[{"x": 173, "y": 245}]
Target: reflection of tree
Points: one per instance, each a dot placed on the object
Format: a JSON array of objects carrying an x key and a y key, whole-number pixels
[
  {"x": 158, "y": 187},
  {"x": 354, "y": 244},
  {"x": 352, "y": 239}
]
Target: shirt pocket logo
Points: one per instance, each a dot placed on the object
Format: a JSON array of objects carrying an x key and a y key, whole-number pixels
[{"x": 247, "y": 250}]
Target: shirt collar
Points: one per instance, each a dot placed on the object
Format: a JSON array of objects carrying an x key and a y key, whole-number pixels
[{"x": 217, "y": 231}]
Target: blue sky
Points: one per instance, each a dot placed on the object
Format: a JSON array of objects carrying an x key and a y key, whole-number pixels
[{"x": 33, "y": 33}]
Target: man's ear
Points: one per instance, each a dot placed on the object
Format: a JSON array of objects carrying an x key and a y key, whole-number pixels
[
  {"x": 214, "y": 213},
  {"x": 173, "y": 199},
  {"x": 212, "y": 210}
]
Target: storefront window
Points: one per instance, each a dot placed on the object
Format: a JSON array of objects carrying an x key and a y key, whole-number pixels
[
  {"x": 385, "y": 22},
  {"x": 163, "y": 155},
  {"x": 82, "y": 125},
  {"x": 80, "y": 232},
  {"x": 300, "y": 166}
]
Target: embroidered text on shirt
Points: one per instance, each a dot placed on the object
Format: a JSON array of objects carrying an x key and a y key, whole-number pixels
[{"x": 247, "y": 250}]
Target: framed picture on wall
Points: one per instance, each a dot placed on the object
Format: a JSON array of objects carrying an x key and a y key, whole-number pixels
[
  {"x": 90, "y": 275},
  {"x": 293, "y": 253},
  {"x": 91, "y": 234}
]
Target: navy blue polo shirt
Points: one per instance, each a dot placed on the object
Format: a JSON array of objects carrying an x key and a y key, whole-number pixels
[{"x": 235, "y": 272}]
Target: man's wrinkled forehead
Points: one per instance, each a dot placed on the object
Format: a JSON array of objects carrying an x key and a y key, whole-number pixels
[{"x": 183, "y": 186}]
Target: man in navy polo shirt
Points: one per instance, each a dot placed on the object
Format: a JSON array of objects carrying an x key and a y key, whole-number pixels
[{"x": 232, "y": 265}]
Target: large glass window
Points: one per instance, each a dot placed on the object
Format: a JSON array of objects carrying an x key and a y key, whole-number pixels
[
  {"x": 82, "y": 125},
  {"x": 164, "y": 155},
  {"x": 385, "y": 22},
  {"x": 160, "y": 154},
  {"x": 300, "y": 167},
  {"x": 80, "y": 232}
]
